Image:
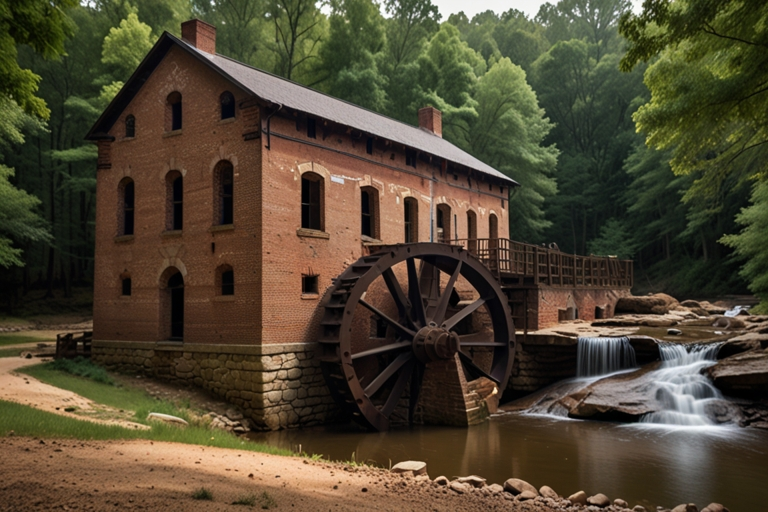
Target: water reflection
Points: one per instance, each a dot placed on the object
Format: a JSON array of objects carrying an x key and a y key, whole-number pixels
[{"x": 642, "y": 464}]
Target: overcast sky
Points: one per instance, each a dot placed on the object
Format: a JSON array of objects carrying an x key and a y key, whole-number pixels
[{"x": 529, "y": 7}]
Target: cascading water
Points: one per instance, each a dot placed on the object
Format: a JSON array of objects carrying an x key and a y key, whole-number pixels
[
  {"x": 601, "y": 356},
  {"x": 681, "y": 388}
]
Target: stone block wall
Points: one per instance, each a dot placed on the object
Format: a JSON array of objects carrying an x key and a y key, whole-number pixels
[
  {"x": 277, "y": 386},
  {"x": 540, "y": 361}
]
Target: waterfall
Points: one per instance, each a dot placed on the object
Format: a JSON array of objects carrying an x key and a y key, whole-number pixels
[
  {"x": 601, "y": 356},
  {"x": 681, "y": 388}
]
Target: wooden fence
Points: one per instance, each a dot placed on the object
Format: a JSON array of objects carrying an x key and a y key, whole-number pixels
[{"x": 533, "y": 264}]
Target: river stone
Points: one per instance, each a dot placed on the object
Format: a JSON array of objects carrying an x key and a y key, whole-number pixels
[
  {"x": 689, "y": 507},
  {"x": 638, "y": 508},
  {"x": 729, "y": 322},
  {"x": 742, "y": 374},
  {"x": 495, "y": 488},
  {"x": 167, "y": 418},
  {"x": 473, "y": 480},
  {"x": 599, "y": 500},
  {"x": 441, "y": 480},
  {"x": 413, "y": 466},
  {"x": 527, "y": 495},
  {"x": 516, "y": 486},
  {"x": 674, "y": 332},
  {"x": 578, "y": 498},
  {"x": 620, "y": 503},
  {"x": 714, "y": 507},
  {"x": 459, "y": 487},
  {"x": 657, "y": 304},
  {"x": 549, "y": 492},
  {"x": 744, "y": 343}
]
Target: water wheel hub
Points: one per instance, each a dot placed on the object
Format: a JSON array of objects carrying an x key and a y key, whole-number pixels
[{"x": 433, "y": 343}]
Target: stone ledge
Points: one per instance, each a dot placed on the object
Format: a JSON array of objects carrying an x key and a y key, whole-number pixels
[{"x": 250, "y": 350}]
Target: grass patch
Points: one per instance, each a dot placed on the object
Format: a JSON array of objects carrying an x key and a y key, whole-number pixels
[
  {"x": 11, "y": 352},
  {"x": 248, "y": 500},
  {"x": 202, "y": 494},
  {"x": 83, "y": 368},
  {"x": 17, "y": 339},
  {"x": 267, "y": 501}
]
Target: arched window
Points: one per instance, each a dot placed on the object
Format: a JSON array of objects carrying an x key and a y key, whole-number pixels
[
  {"x": 223, "y": 186},
  {"x": 411, "y": 219},
  {"x": 130, "y": 126},
  {"x": 126, "y": 201},
  {"x": 312, "y": 190},
  {"x": 225, "y": 280},
  {"x": 173, "y": 112},
  {"x": 174, "y": 200},
  {"x": 443, "y": 222},
  {"x": 471, "y": 225},
  {"x": 227, "y": 101},
  {"x": 175, "y": 296},
  {"x": 369, "y": 209},
  {"x": 125, "y": 284},
  {"x": 493, "y": 227}
]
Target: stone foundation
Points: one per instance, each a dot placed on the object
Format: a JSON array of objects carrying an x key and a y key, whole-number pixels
[{"x": 277, "y": 386}]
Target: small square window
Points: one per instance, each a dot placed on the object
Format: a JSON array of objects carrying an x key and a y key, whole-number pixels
[
  {"x": 378, "y": 327},
  {"x": 309, "y": 284},
  {"x": 126, "y": 286}
]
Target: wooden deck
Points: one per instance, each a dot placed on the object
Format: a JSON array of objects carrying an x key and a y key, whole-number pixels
[{"x": 532, "y": 265}]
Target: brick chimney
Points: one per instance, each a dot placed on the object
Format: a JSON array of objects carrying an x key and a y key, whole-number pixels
[
  {"x": 199, "y": 34},
  {"x": 431, "y": 119}
]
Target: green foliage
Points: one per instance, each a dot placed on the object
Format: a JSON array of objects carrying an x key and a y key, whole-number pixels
[
  {"x": 83, "y": 368},
  {"x": 18, "y": 339},
  {"x": 751, "y": 244},
  {"x": 127, "y": 45},
  {"x": 299, "y": 27},
  {"x": 614, "y": 240},
  {"x": 249, "y": 500},
  {"x": 43, "y": 26},
  {"x": 203, "y": 494}
]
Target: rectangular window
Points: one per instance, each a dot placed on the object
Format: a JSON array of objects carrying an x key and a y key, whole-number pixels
[
  {"x": 378, "y": 327},
  {"x": 311, "y": 128},
  {"x": 127, "y": 286},
  {"x": 411, "y": 220},
  {"x": 410, "y": 158},
  {"x": 176, "y": 116},
  {"x": 369, "y": 146},
  {"x": 228, "y": 282},
  {"x": 367, "y": 219},
  {"x": 309, "y": 284},
  {"x": 310, "y": 204},
  {"x": 227, "y": 188},
  {"x": 178, "y": 210},
  {"x": 128, "y": 200}
]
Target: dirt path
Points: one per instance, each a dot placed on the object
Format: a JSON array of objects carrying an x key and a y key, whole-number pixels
[{"x": 22, "y": 389}]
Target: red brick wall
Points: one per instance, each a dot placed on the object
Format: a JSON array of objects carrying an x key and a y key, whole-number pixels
[
  {"x": 549, "y": 301},
  {"x": 147, "y": 158}
]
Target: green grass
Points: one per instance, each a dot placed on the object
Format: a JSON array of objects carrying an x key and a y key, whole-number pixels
[
  {"x": 10, "y": 352},
  {"x": 267, "y": 501},
  {"x": 202, "y": 494},
  {"x": 248, "y": 500},
  {"x": 82, "y": 367},
  {"x": 18, "y": 339}
]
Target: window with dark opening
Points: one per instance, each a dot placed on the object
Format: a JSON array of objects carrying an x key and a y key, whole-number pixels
[
  {"x": 174, "y": 201},
  {"x": 369, "y": 146},
  {"x": 493, "y": 227},
  {"x": 443, "y": 223},
  {"x": 228, "y": 282},
  {"x": 311, "y": 201},
  {"x": 471, "y": 225},
  {"x": 130, "y": 126},
  {"x": 224, "y": 188},
  {"x": 378, "y": 327},
  {"x": 126, "y": 282},
  {"x": 176, "y": 292},
  {"x": 227, "y": 100},
  {"x": 309, "y": 284},
  {"x": 311, "y": 128},
  {"x": 369, "y": 205},
  {"x": 128, "y": 199},
  {"x": 411, "y": 219},
  {"x": 410, "y": 158},
  {"x": 173, "y": 112}
]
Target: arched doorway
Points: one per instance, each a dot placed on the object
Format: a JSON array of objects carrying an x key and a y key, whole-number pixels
[{"x": 176, "y": 290}]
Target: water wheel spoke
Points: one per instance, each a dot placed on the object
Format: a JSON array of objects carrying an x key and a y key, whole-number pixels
[
  {"x": 442, "y": 305},
  {"x": 414, "y": 294},
  {"x": 464, "y": 313},
  {"x": 398, "y": 388},
  {"x": 475, "y": 370},
  {"x": 396, "y": 291},
  {"x": 403, "y": 331},
  {"x": 479, "y": 339},
  {"x": 382, "y": 349},
  {"x": 390, "y": 370}
]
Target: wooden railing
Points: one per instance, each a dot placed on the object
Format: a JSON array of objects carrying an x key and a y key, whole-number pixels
[
  {"x": 71, "y": 345},
  {"x": 533, "y": 264}
]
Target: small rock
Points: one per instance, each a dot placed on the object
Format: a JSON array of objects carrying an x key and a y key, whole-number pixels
[
  {"x": 441, "y": 480},
  {"x": 495, "y": 488},
  {"x": 620, "y": 503},
  {"x": 26, "y": 355},
  {"x": 579, "y": 497},
  {"x": 639, "y": 508},
  {"x": 548, "y": 492},
  {"x": 459, "y": 487},
  {"x": 527, "y": 495},
  {"x": 414, "y": 466},
  {"x": 714, "y": 507},
  {"x": 674, "y": 332},
  {"x": 599, "y": 500},
  {"x": 234, "y": 414},
  {"x": 167, "y": 418},
  {"x": 516, "y": 486},
  {"x": 686, "y": 507},
  {"x": 473, "y": 480}
]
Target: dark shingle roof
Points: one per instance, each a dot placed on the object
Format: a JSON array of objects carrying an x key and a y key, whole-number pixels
[{"x": 280, "y": 91}]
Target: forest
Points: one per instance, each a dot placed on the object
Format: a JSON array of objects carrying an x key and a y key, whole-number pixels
[{"x": 640, "y": 135}]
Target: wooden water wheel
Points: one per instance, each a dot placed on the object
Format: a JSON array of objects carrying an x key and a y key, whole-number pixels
[{"x": 392, "y": 313}]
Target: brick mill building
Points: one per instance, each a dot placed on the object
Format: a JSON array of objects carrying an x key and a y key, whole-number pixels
[{"x": 229, "y": 200}]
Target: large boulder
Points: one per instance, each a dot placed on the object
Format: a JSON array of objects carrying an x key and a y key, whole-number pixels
[
  {"x": 743, "y": 374},
  {"x": 656, "y": 304},
  {"x": 516, "y": 486},
  {"x": 744, "y": 343}
]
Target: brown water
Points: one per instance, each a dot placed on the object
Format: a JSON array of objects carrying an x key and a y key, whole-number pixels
[{"x": 644, "y": 465}]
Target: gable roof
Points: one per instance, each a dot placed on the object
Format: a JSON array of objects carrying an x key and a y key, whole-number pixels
[{"x": 280, "y": 91}]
